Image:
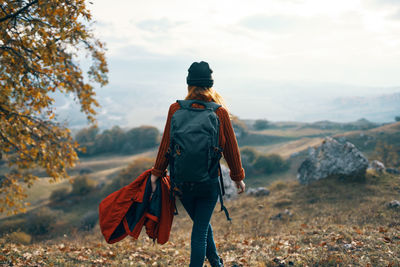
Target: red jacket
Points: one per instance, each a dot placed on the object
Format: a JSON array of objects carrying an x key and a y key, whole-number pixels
[{"x": 127, "y": 210}]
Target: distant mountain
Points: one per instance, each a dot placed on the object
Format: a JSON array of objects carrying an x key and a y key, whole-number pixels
[
  {"x": 381, "y": 108},
  {"x": 127, "y": 107}
]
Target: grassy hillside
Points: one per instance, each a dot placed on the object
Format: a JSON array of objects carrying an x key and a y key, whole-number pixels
[
  {"x": 366, "y": 140},
  {"x": 328, "y": 223},
  {"x": 286, "y": 138}
]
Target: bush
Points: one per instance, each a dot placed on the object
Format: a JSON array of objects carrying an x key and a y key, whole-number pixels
[
  {"x": 12, "y": 225},
  {"x": 261, "y": 124},
  {"x": 59, "y": 194},
  {"x": 19, "y": 238},
  {"x": 248, "y": 155},
  {"x": 89, "y": 220},
  {"x": 82, "y": 185},
  {"x": 267, "y": 164},
  {"x": 116, "y": 140},
  {"x": 140, "y": 138},
  {"x": 134, "y": 169},
  {"x": 41, "y": 221}
]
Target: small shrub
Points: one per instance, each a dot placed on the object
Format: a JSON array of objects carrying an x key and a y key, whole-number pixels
[
  {"x": 19, "y": 238},
  {"x": 60, "y": 194},
  {"x": 134, "y": 169},
  {"x": 267, "y": 164},
  {"x": 12, "y": 225},
  {"x": 248, "y": 155},
  {"x": 261, "y": 124},
  {"x": 89, "y": 220},
  {"x": 82, "y": 185},
  {"x": 41, "y": 221}
]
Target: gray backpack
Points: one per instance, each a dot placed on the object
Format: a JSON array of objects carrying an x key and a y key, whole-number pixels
[
  {"x": 194, "y": 150},
  {"x": 194, "y": 142}
]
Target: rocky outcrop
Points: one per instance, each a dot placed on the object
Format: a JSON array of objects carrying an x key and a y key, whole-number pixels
[{"x": 332, "y": 158}]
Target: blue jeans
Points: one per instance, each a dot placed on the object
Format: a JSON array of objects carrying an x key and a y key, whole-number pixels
[{"x": 199, "y": 201}]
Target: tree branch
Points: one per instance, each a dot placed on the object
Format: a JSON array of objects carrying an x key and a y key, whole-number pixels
[{"x": 18, "y": 12}]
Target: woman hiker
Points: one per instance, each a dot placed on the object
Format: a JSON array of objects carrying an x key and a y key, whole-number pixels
[{"x": 199, "y": 200}]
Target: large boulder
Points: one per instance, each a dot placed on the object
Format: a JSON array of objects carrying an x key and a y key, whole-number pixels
[{"x": 332, "y": 158}]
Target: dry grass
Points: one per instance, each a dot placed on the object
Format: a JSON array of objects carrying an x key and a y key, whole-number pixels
[
  {"x": 327, "y": 223},
  {"x": 299, "y": 132},
  {"x": 290, "y": 147}
]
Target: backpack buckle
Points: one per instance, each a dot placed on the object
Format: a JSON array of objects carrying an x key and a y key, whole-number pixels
[
  {"x": 217, "y": 151},
  {"x": 177, "y": 149}
]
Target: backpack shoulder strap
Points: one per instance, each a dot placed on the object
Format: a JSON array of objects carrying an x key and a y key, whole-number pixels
[{"x": 187, "y": 104}]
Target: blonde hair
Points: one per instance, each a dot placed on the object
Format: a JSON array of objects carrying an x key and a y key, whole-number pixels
[{"x": 206, "y": 94}]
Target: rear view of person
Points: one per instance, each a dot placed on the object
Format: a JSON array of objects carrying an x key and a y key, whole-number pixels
[{"x": 197, "y": 133}]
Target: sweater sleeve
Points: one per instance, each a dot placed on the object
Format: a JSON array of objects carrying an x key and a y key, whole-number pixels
[
  {"x": 161, "y": 160},
  {"x": 231, "y": 149}
]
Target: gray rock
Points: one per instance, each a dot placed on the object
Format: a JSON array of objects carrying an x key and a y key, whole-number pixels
[
  {"x": 229, "y": 185},
  {"x": 294, "y": 154},
  {"x": 377, "y": 166},
  {"x": 394, "y": 204},
  {"x": 332, "y": 158},
  {"x": 282, "y": 215},
  {"x": 258, "y": 192},
  {"x": 392, "y": 171}
]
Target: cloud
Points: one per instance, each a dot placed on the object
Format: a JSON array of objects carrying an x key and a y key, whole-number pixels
[
  {"x": 162, "y": 25},
  {"x": 390, "y": 2},
  {"x": 274, "y": 23},
  {"x": 395, "y": 15}
]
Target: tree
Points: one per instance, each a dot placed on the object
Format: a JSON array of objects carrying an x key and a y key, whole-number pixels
[
  {"x": 397, "y": 118},
  {"x": 271, "y": 163},
  {"x": 261, "y": 124},
  {"x": 139, "y": 138},
  {"x": 87, "y": 135},
  {"x": 239, "y": 127},
  {"x": 40, "y": 46}
]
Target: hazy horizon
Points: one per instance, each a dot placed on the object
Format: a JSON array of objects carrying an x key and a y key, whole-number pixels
[{"x": 282, "y": 60}]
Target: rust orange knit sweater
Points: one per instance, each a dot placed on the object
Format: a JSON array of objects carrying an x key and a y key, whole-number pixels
[{"x": 227, "y": 141}]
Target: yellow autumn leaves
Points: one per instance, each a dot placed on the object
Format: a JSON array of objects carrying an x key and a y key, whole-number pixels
[{"x": 39, "y": 44}]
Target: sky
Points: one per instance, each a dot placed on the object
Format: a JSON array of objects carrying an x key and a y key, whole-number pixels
[{"x": 267, "y": 56}]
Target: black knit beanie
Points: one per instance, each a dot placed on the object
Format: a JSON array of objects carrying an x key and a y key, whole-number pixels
[{"x": 200, "y": 74}]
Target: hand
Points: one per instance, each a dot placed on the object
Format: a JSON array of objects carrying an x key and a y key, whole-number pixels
[
  {"x": 241, "y": 186},
  {"x": 153, "y": 183}
]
